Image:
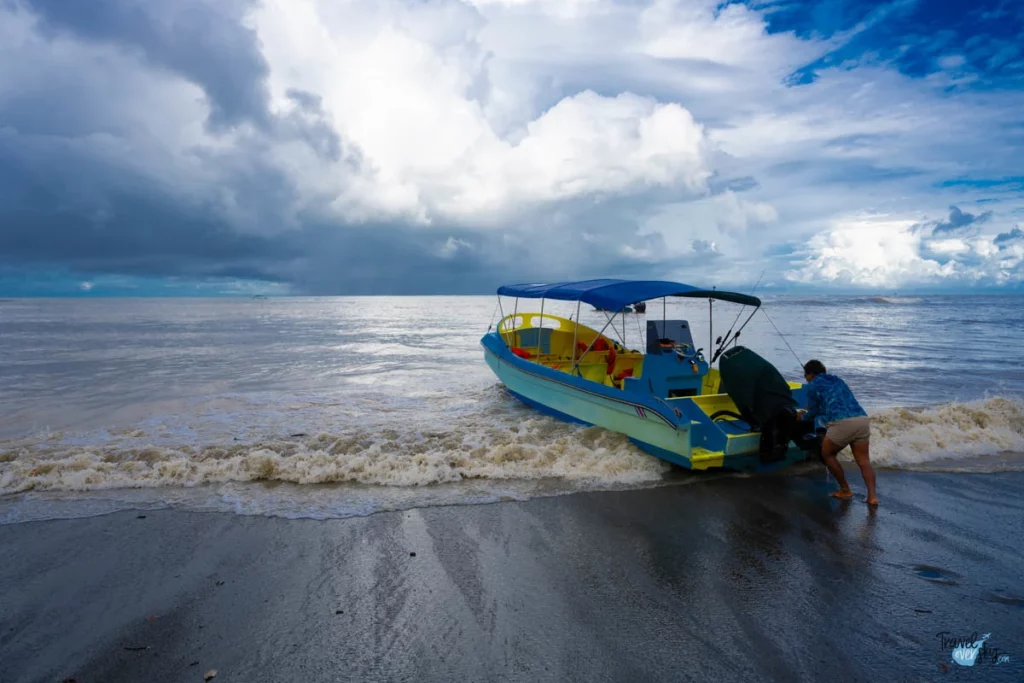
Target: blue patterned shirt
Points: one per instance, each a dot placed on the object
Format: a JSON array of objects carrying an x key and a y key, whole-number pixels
[{"x": 830, "y": 400}]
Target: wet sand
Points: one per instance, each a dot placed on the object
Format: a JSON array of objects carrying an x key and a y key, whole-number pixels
[{"x": 724, "y": 580}]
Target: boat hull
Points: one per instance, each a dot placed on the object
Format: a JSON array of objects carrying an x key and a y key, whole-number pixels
[
  {"x": 571, "y": 403},
  {"x": 665, "y": 432}
]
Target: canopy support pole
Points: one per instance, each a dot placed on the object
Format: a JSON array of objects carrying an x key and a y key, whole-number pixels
[
  {"x": 540, "y": 328},
  {"x": 639, "y": 332},
  {"x": 515, "y": 312},
  {"x": 576, "y": 332},
  {"x": 599, "y": 334},
  {"x": 502, "y": 312},
  {"x": 711, "y": 324},
  {"x": 664, "y": 299},
  {"x": 618, "y": 334}
]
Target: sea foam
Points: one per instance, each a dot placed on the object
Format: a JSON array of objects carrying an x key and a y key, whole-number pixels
[
  {"x": 478, "y": 458},
  {"x": 533, "y": 448},
  {"x": 953, "y": 434},
  {"x": 472, "y": 448}
]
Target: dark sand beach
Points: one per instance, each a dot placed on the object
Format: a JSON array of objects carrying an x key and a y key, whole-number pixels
[{"x": 725, "y": 580}]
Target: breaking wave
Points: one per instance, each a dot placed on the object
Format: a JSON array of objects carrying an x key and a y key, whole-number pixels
[
  {"x": 844, "y": 300},
  {"x": 895, "y": 300},
  {"x": 533, "y": 448},
  {"x": 488, "y": 456},
  {"x": 951, "y": 436},
  {"x": 484, "y": 447}
]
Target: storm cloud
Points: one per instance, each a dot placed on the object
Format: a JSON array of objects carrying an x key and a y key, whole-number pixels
[
  {"x": 1004, "y": 239},
  {"x": 959, "y": 220},
  {"x": 204, "y": 42},
  {"x": 402, "y": 147}
]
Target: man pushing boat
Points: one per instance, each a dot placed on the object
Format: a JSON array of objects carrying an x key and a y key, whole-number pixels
[
  {"x": 829, "y": 398},
  {"x": 668, "y": 399}
]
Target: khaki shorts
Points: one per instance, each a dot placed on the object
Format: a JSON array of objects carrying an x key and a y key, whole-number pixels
[{"x": 849, "y": 431}]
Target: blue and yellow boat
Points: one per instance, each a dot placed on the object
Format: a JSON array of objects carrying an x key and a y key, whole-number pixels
[{"x": 668, "y": 399}]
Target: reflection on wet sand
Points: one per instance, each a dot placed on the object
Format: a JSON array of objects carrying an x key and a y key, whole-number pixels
[{"x": 727, "y": 579}]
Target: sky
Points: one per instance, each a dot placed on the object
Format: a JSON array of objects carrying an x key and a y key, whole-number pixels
[{"x": 209, "y": 147}]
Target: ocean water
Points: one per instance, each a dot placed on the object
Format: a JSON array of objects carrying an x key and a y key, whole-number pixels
[{"x": 333, "y": 407}]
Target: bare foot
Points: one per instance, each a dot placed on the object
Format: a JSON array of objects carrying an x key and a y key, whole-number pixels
[
  {"x": 873, "y": 501},
  {"x": 842, "y": 494}
]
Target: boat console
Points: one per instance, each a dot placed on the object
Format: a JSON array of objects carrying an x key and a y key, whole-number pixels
[
  {"x": 673, "y": 366},
  {"x": 667, "y": 332}
]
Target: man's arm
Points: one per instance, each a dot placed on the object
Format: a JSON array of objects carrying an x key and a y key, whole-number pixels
[{"x": 813, "y": 404}]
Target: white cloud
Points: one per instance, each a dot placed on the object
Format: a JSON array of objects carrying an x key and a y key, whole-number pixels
[
  {"x": 951, "y": 247},
  {"x": 732, "y": 35},
  {"x": 452, "y": 246},
  {"x": 407, "y": 104},
  {"x": 735, "y": 214},
  {"x": 879, "y": 252},
  {"x": 869, "y": 252},
  {"x": 952, "y": 61},
  {"x": 722, "y": 224},
  {"x": 533, "y": 119}
]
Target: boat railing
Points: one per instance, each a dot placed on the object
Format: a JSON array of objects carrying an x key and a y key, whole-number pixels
[
  {"x": 511, "y": 327},
  {"x": 531, "y": 321}
]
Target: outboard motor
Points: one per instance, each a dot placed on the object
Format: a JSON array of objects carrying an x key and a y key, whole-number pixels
[{"x": 763, "y": 398}]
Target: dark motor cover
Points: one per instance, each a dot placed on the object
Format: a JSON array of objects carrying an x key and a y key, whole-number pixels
[{"x": 762, "y": 396}]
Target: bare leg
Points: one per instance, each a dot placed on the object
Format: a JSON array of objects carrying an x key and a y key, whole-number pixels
[
  {"x": 860, "y": 454},
  {"x": 828, "y": 454}
]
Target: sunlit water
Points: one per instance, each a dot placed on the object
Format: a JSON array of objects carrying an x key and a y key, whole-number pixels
[{"x": 330, "y": 407}]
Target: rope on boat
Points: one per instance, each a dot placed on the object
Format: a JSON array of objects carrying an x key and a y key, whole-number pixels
[
  {"x": 725, "y": 339},
  {"x": 798, "y": 361}
]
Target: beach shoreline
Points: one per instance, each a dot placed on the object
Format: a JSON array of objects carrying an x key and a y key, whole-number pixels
[{"x": 760, "y": 578}]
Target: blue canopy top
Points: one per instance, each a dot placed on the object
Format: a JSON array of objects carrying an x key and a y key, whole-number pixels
[{"x": 614, "y": 294}]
